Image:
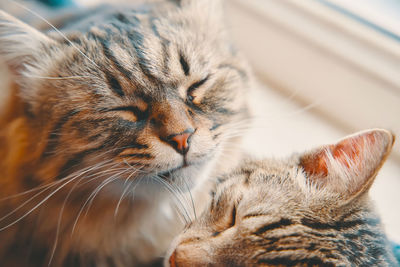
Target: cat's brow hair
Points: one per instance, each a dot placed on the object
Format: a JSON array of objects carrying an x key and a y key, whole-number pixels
[{"x": 133, "y": 43}]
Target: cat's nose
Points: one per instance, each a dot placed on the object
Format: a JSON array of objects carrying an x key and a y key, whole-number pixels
[{"x": 181, "y": 141}]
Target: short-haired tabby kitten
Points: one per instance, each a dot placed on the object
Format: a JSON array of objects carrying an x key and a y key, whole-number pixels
[
  {"x": 311, "y": 209},
  {"x": 139, "y": 101}
]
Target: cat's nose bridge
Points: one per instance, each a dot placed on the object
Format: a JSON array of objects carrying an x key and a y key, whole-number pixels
[
  {"x": 171, "y": 116},
  {"x": 173, "y": 125}
]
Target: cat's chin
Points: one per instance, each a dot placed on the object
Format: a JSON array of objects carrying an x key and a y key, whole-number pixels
[
  {"x": 181, "y": 179},
  {"x": 186, "y": 175},
  {"x": 184, "y": 178}
]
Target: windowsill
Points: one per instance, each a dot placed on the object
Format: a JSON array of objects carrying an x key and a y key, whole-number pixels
[
  {"x": 347, "y": 70},
  {"x": 382, "y": 15},
  {"x": 337, "y": 69}
]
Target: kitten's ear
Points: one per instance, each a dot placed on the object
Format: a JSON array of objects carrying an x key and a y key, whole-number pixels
[
  {"x": 20, "y": 44},
  {"x": 349, "y": 166}
]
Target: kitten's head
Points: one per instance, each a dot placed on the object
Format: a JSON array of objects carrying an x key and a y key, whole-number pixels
[
  {"x": 156, "y": 91},
  {"x": 296, "y": 212}
]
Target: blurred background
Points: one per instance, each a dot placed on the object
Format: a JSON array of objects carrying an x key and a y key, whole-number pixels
[{"x": 325, "y": 69}]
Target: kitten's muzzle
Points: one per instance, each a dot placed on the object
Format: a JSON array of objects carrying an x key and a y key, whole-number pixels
[
  {"x": 172, "y": 261},
  {"x": 189, "y": 257}
]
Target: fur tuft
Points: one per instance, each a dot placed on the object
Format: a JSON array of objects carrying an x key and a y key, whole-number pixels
[{"x": 20, "y": 44}]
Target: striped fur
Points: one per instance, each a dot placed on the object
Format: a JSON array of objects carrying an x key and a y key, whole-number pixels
[
  {"x": 277, "y": 212},
  {"x": 91, "y": 116}
]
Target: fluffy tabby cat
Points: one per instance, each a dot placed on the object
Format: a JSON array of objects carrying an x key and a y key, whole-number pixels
[
  {"x": 102, "y": 123},
  {"x": 312, "y": 209}
]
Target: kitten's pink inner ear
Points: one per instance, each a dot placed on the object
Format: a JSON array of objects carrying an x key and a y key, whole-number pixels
[
  {"x": 350, "y": 162},
  {"x": 348, "y": 152},
  {"x": 315, "y": 164}
]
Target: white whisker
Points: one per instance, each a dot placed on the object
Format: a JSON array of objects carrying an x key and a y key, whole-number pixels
[
  {"x": 175, "y": 194},
  {"x": 59, "y": 221},
  {"x": 78, "y": 174},
  {"x": 191, "y": 198},
  {"x": 39, "y": 204},
  {"x": 89, "y": 200},
  {"x": 126, "y": 190}
]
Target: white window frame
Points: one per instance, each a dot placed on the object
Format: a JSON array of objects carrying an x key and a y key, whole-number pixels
[{"x": 350, "y": 70}]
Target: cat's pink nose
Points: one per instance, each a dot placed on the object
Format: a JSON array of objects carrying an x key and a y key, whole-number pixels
[{"x": 181, "y": 141}]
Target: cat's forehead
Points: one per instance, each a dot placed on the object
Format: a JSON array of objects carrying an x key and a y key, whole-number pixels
[
  {"x": 269, "y": 170},
  {"x": 260, "y": 176},
  {"x": 143, "y": 53}
]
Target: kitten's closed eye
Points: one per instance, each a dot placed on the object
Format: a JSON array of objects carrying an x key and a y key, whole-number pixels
[
  {"x": 233, "y": 217},
  {"x": 228, "y": 220}
]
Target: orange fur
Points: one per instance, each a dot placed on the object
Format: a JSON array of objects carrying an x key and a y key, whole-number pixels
[{"x": 14, "y": 142}]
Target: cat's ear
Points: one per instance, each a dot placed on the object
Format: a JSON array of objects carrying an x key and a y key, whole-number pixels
[
  {"x": 20, "y": 44},
  {"x": 349, "y": 166}
]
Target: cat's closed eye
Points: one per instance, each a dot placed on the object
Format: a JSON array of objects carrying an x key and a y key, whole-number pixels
[
  {"x": 131, "y": 113},
  {"x": 191, "y": 96}
]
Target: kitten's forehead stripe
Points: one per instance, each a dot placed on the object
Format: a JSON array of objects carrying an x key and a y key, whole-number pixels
[
  {"x": 339, "y": 225},
  {"x": 272, "y": 226},
  {"x": 289, "y": 261}
]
